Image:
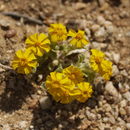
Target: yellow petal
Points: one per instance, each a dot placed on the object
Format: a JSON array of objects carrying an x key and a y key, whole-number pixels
[
  {"x": 42, "y": 37},
  {"x": 19, "y": 54},
  {"x": 33, "y": 64},
  {"x": 72, "y": 33}
]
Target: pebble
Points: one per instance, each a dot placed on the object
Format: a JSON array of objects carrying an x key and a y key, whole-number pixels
[
  {"x": 4, "y": 23},
  {"x": 98, "y": 45},
  {"x": 10, "y": 33},
  {"x": 127, "y": 95},
  {"x": 115, "y": 70},
  {"x": 22, "y": 124},
  {"x": 109, "y": 27},
  {"x": 110, "y": 89},
  {"x": 118, "y": 128},
  {"x": 128, "y": 110},
  {"x": 128, "y": 125},
  {"x": 100, "y": 20},
  {"x": 90, "y": 116},
  {"x": 123, "y": 103},
  {"x": 79, "y": 6},
  {"x": 116, "y": 57},
  {"x": 95, "y": 27},
  {"x": 105, "y": 119},
  {"x": 124, "y": 73},
  {"x": 122, "y": 111},
  {"x": 31, "y": 127},
  {"x": 100, "y": 34},
  {"x": 45, "y": 102},
  {"x": 112, "y": 120}
]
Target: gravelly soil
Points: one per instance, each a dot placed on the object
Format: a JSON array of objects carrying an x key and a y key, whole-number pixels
[{"x": 107, "y": 24}]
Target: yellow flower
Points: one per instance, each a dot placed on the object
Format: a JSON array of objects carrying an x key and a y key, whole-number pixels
[
  {"x": 85, "y": 91},
  {"x": 24, "y": 62},
  {"x": 100, "y": 65},
  {"x": 78, "y": 39},
  {"x": 60, "y": 87},
  {"x": 38, "y": 44},
  {"x": 74, "y": 74},
  {"x": 96, "y": 59},
  {"x": 106, "y": 69},
  {"x": 57, "y": 32}
]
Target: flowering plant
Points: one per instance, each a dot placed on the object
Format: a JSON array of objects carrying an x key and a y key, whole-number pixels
[{"x": 65, "y": 55}]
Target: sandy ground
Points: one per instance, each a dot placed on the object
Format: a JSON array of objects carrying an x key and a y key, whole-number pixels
[{"x": 107, "y": 24}]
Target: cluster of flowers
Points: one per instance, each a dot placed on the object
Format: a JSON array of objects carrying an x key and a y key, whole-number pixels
[
  {"x": 25, "y": 61},
  {"x": 68, "y": 84}
]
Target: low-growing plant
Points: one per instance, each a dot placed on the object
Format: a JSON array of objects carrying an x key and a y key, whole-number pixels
[{"x": 71, "y": 64}]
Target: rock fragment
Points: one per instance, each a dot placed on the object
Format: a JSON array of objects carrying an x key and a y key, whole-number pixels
[{"x": 45, "y": 102}]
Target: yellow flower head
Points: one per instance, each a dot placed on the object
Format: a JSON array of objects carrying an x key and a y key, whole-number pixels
[
  {"x": 85, "y": 91},
  {"x": 60, "y": 87},
  {"x": 57, "y": 32},
  {"x": 24, "y": 62},
  {"x": 96, "y": 59},
  {"x": 106, "y": 69},
  {"x": 78, "y": 39},
  {"x": 100, "y": 65},
  {"x": 74, "y": 74},
  {"x": 38, "y": 44}
]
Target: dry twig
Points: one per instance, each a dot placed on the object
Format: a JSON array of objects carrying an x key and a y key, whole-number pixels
[{"x": 27, "y": 18}]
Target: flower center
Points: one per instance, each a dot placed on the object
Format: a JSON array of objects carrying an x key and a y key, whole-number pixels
[
  {"x": 59, "y": 31},
  {"x": 37, "y": 44},
  {"x": 57, "y": 84},
  {"x": 23, "y": 62},
  {"x": 79, "y": 36},
  {"x": 97, "y": 60},
  {"x": 73, "y": 76}
]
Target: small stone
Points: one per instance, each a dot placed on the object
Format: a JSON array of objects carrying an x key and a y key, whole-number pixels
[
  {"x": 22, "y": 124},
  {"x": 128, "y": 120},
  {"x": 105, "y": 119},
  {"x": 90, "y": 116},
  {"x": 110, "y": 89},
  {"x": 128, "y": 110},
  {"x": 123, "y": 103},
  {"x": 110, "y": 29},
  {"x": 124, "y": 73},
  {"x": 128, "y": 125},
  {"x": 40, "y": 77},
  {"x": 118, "y": 128},
  {"x": 6, "y": 127},
  {"x": 2, "y": 7},
  {"x": 45, "y": 102},
  {"x": 95, "y": 27},
  {"x": 88, "y": 32},
  {"x": 122, "y": 111},
  {"x": 98, "y": 45},
  {"x": 79, "y": 6},
  {"x": 112, "y": 120},
  {"x": 115, "y": 70},
  {"x": 5, "y": 24},
  {"x": 10, "y": 33},
  {"x": 127, "y": 95},
  {"x": 116, "y": 57},
  {"x": 31, "y": 127},
  {"x": 100, "y": 34},
  {"x": 107, "y": 107},
  {"x": 100, "y": 20}
]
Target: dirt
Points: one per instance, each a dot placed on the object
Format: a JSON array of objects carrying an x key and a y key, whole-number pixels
[{"x": 19, "y": 98}]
